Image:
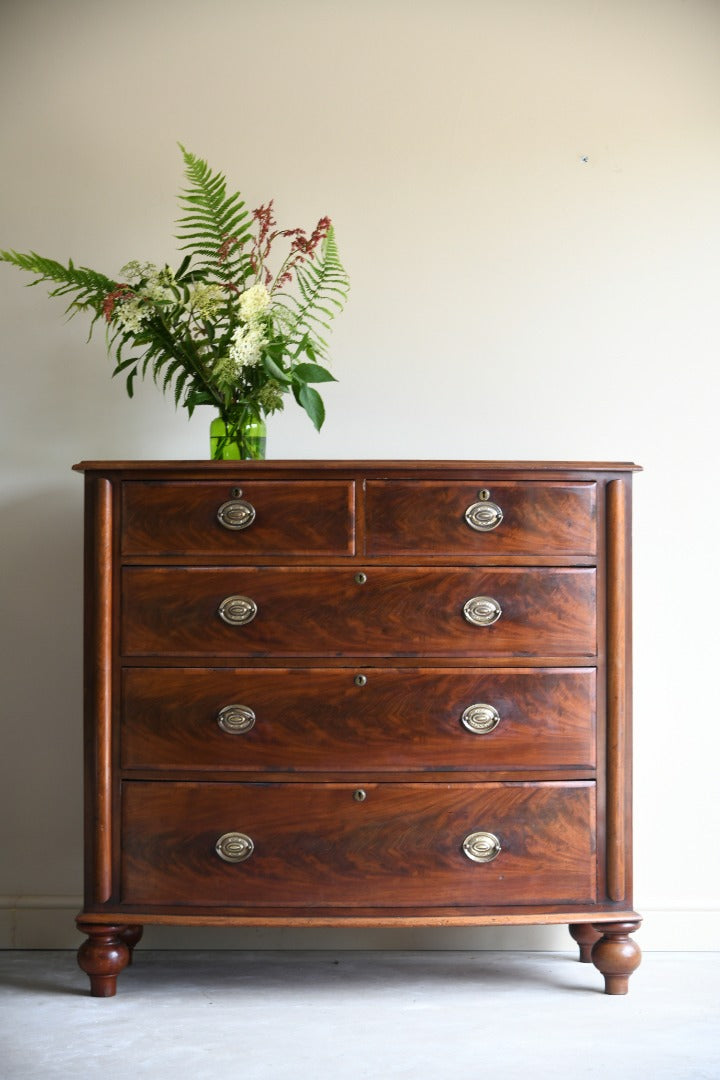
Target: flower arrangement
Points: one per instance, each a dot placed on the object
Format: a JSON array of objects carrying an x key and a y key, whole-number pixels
[{"x": 223, "y": 329}]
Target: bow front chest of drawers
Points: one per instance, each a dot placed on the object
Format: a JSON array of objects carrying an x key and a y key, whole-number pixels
[{"x": 357, "y": 694}]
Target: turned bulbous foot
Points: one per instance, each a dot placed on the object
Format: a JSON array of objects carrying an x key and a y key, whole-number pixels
[
  {"x": 131, "y": 936},
  {"x": 585, "y": 935},
  {"x": 616, "y": 955},
  {"x": 102, "y": 957}
]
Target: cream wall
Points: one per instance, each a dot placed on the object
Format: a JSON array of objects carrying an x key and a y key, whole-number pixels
[{"x": 526, "y": 197}]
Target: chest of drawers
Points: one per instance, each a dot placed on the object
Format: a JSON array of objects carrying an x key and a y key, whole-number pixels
[{"x": 357, "y": 694}]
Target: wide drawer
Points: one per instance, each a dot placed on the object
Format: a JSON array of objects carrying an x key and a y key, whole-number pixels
[
  {"x": 343, "y": 719},
  {"x": 317, "y": 845},
  {"x": 275, "y": 517},
  {"x": 389, "y": 611},
  {"x": 523, "y": 518}
]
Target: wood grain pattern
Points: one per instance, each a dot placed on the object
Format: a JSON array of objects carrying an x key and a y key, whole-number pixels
[
  {"x": 179, "y": 517},
  {"x": 163, "y": 780},
  {"x": 319, "y": 719},
  {"x": 398, "y": 611},
  {"x": 428, "y": 517},
  {"x": 315, "y": 845}
]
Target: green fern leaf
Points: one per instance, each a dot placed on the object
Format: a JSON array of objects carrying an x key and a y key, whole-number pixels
[
  {"x": 88, "y": 287},
  {"x": 323, "y": 285},
  {"x": 215, "y": 225}
]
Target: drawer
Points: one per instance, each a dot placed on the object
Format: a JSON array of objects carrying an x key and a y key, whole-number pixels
[
  {"x": 429, "y": 517},
  {"x": 308, "y": 611},
  {"x": 314, "y": 845},
  {"x": 319, "y": 719},
  {"x": 275, "y": 517}
]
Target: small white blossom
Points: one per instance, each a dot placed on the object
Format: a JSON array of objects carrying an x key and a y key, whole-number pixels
[
  {"x": 135, "y": 270},
  {"x": 131, "y": 313},
  {"x": 157, "y": 294},
  {"x": 254, "y": 302},
  {"x": 205, "y": 300},
  {"x": 247, "y": 345}
]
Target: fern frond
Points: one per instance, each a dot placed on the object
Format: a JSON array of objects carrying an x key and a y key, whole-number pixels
[
  {"x": 88, "y": 286},
  {"x": 215, "y": 225},
  {"x": 323, "y": 285}
]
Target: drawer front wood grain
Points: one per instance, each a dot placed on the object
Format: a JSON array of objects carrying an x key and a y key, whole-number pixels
[
  {"x": 316, "y": 846},
  {"x": 321, "y": 719},
  {"x": 303, "y": 517},
  {"x": 395, "y": 612},
  {"x": 428, "y": 517}
]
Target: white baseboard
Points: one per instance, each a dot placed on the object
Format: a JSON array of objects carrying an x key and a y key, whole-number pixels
[{"x": 48, "y": 922}]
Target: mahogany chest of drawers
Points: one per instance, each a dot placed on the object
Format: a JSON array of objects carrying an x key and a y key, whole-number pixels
[{"x": 357, "y": 694}]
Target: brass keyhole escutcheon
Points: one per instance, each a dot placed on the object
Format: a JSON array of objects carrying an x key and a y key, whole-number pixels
[
  {"x": 236, "y": 493},
  {"x": 359, "y": 795},
  {"x": 360, "y": 680},
  {"x": 360, "y": 578}
]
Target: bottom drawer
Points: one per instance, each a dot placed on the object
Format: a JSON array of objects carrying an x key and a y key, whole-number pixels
[{"x": 321, "y": 845}]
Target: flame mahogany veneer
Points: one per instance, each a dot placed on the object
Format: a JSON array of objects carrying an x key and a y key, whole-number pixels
[{"x": 359, "y": 752}]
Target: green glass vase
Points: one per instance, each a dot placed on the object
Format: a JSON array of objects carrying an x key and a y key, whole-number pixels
[{"x": 243, "y": 439}]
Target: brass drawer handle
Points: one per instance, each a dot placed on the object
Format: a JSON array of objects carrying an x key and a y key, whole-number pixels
[
  {"x": 237, "y": 610},
  {"x": 482, "y": 611},
  {"x": 480, "y": 719},
  {"x": 236, "y": 514},
  {"x": 484, "y": 515},
  {"x": 234, "y": 847},
  {"x": 481, "y": 847},
  {"x": 236, "y": 719}
]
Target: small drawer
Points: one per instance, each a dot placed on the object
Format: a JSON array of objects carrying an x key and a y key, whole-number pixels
[
  {"x": 246, "y": 519},
  {"x": 482, "y": 517},
  {"x": 386, "y": 611},
  {"x": 357, "y": 845},
  {"x": 345, "y": 719}
]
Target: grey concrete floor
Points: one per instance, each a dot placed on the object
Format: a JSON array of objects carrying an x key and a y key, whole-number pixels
[{"x": 359, "y": 1016}]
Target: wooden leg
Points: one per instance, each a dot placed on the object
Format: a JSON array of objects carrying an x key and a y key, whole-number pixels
[
  {"x": 103, "y": 956},
  {"x": 585, "y": 935},
  {"x": 130, "y": 935},
  {"x": 616, "y": 955}
]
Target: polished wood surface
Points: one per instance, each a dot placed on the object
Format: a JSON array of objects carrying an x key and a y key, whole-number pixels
[
  {"x": 297, "y": 467},
  {"x": 398, "y": 611},
  {"x": 316, "y": 845},
  {"x": 428, "y": 517},
  {"x": 616, "y": 955},
  {"x": 307, "y": 517},
  {"x": 358, "y": 667},
  {"x": 100, "y": 689},
  {"x": 312, "y": 719},
  {"x": 618, "y": 704}
]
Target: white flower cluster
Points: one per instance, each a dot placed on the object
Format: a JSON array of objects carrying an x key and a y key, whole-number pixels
[
  {"x": 247, "y": 345},
  {"x": 205, "y": 300},
  {"x": 136, "y": 308},
  {"x": 131, "y": 313},
  {"x": 254, "y": 302},
  {"x": 134, "y": 270},
  {"x": 249, "y": 339}
]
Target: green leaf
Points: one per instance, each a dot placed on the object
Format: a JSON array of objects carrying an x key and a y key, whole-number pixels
[
  {"x": 312, "y": 403},
  {"x": 313, "y": 373},
  {"x": 274, "y": 370},
  {"x": 183, "y": 267}
]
